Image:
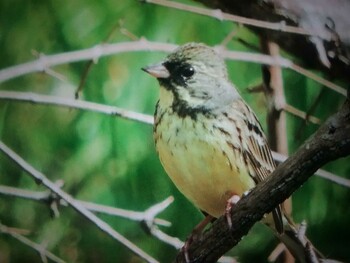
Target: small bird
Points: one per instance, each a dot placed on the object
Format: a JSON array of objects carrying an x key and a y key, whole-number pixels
[{"x": 208, "y": 139}]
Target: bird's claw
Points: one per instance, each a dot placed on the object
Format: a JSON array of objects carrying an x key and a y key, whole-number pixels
[{"x": 230, "y": 203}]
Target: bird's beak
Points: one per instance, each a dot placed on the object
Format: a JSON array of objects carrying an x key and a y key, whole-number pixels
[{"x": 158, "y": 71}]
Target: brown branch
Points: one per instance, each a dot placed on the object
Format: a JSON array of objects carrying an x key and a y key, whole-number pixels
[
  {"x": 308, "y": 113},
  {"x": 330, "y": 142},
  {"x": 222, "y": 16},
  {"x": 301, "y": 114},
  {"x": 327, "y": 50},
  {"x": 276, "y": 117}
]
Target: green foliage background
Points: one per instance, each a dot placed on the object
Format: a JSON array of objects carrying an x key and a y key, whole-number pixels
[{"x": 112, "y": 161}]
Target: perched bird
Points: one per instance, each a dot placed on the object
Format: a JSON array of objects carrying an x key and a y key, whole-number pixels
[{"x": 208, "y": 139}]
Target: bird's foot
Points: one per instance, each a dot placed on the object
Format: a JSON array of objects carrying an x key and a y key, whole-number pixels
[
  {"x": 230, "y": 203},
  {"x": 195, "y": 234}
]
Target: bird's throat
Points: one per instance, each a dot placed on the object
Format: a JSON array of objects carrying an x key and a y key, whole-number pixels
[{"x": 183, "y": 107}]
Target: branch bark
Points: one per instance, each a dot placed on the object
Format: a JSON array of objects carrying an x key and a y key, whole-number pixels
[
  {"x": 328, "y": 50},
  {"x": 330, "y": 142}
]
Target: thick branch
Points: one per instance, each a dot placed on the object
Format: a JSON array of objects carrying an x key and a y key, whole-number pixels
[
  {"x": 328, "y": 51},
  {"x": 330, "y": 142}
]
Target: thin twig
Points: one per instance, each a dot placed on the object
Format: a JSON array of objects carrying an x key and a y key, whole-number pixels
[
  {"x": 280, "y": 61},
  {"x": 318, "y": 79},
  {"x": 301, "y": 114},
  {"x": 75, "y": 104},
  {"x": 229, "y": 37},
  {"x": 42, "y": 196},
  {"x": 276, "y": 117},
  {"x": 41, "y": 178},
  {"x": 45, "y": 196},
  {"x": 90, "y": 63},
  {"x": 221, "y": 16},
  {"x": 109, "y": 110},
  {"x": 280, "y": 158},
  {"x": 149, "y": 215},
  {"x": 39, "y": 248},
  {"x": 45, "y": 62},
  {"x": 308, "y": 113}
]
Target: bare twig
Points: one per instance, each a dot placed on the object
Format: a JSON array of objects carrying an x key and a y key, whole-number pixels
[
  {"x": 46, "y": 196},
  {"x": 279, "y": 61},
  {"x": 75, "y": 104},
  {"x": 149, "y": 215},
  {"x": 288, "y": 108},
  {"x": 45, "y": 62},
  {"x": 301, "y": 114},
  {"x": 229, "y": 37},
  {"x": 109, "y": 110},
  {"x": 44, "y": 254},
  {"x": 276, "y": 117},
  {"x": 318, "y": 79},
  {"x": 89, "y": 64},
  {"x": 41, "y": 178},
  {"x": 94, "y": 53},
  {"x": 320, "y": 172},
  {"x": 26, "y": 194},
  {"x": 221, "y": 16},
  {"x": 124, "y": 31},
  {"x": 308, "y": 113}
]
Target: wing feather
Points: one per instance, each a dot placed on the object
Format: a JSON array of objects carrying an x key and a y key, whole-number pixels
[{"x": 255, "y": 147}]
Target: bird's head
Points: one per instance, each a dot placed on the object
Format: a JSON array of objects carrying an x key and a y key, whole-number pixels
[{"x": 195, "y": 77}]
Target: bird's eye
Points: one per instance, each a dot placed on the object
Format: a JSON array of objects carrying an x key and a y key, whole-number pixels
[{"x": 187, "y": 71}]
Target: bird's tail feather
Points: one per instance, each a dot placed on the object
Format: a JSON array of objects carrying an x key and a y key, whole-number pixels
[{"x": 294, "y": 239}]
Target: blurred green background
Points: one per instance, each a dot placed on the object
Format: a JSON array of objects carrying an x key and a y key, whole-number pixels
[{"x": 112, "y": 161}]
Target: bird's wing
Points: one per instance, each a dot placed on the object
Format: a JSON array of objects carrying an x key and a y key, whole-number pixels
[{"x": 257, "y": 152}]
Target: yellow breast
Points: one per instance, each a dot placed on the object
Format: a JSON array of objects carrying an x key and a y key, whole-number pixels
[{"x": 203, "y": 162}]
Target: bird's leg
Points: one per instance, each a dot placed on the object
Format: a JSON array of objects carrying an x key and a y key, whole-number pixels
[
  {"x": 230, "y": 203},
  {"x": 197, "y": 230}
]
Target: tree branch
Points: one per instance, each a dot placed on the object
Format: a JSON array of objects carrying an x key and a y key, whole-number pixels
[
  {"x": 123, "y": 113},
  {"x": 75, "y": 104},
  {"x": 330, "y": 142},
  {"x": 327, "y": 50},
  {"x": 42, "y": 179},
  {"x": 45, "y": 62},
  {"x": 44, "y": 254},
  {"x": 149, "y": 215}
]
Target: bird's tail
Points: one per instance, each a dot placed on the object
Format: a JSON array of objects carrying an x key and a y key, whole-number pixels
[{"x": 293, "y": 237}]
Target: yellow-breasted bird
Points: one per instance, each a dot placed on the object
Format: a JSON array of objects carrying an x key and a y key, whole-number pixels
[{"x": 208, "y": 139}]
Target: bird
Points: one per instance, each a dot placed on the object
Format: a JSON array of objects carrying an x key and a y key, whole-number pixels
[{"x": 209, "y": 141}]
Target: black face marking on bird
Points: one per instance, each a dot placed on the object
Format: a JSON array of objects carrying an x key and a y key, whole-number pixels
[
  {"x": 179, "y": 71},
  {"x": 183, "y": 110}
]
